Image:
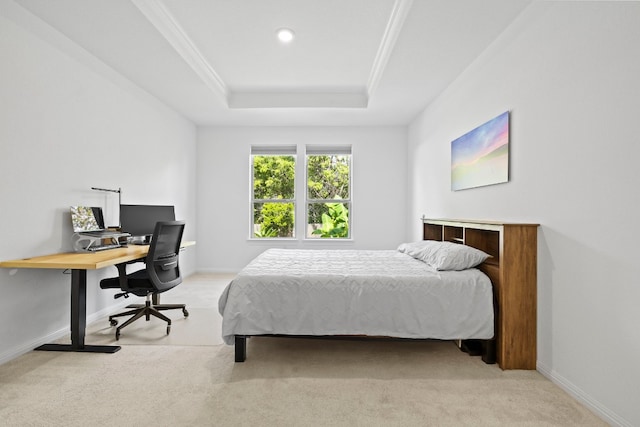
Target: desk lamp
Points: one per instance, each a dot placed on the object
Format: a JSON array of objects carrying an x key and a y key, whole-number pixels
[{"x": 109, "y": 190}]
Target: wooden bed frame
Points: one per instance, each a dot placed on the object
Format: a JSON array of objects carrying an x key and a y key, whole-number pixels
[{"x": 512, "y": 270}]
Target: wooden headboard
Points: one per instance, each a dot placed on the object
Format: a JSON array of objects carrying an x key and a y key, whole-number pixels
[{"x": 512, "y": 270}]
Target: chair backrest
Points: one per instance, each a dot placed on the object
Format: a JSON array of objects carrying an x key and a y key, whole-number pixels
[{"x": 162, "y": 260}]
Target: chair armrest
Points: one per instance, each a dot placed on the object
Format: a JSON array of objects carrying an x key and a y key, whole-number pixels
[{"x": 122, "y": 275}]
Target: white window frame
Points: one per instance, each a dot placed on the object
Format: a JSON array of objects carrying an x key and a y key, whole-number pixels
[
  {"x": 300, "y": 190},
  {"x": 319, "y": 150},
  {"x": 274, "y": 150}
]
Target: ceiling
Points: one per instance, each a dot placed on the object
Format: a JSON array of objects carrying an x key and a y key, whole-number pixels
[{"x": 218, "y": 62}]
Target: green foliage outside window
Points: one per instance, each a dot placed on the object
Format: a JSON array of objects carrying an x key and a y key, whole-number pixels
[
  {"x": 277, "y": 220},
  {"x": 328, "y": 179},
  {"x": 335, "y": 222},
  {"x": 273, "y": 179}
]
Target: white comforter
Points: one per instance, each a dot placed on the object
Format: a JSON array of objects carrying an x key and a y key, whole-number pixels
[{"x": 353, "y": 292}]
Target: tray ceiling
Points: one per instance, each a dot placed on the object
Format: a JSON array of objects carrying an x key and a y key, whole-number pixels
[{"x": 219, "y": 62}]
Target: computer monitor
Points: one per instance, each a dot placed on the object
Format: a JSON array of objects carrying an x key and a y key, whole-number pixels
[{"x": 140, "y": 220}]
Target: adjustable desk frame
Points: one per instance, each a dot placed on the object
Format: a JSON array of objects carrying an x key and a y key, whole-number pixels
[
  {"x": 79, "y": 263},
  {"x": 79, "y": 320}
]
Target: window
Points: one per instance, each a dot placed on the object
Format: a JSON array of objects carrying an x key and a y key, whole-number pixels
[
  {"x": 273, "y": 185},
  {"x": 326, "y": 193}
]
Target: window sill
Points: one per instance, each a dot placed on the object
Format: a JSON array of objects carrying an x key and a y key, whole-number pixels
[
  {"x": 271, "y": 239},
  {"x": 325, "y": 240},
  {"x": 294, "y": 240}
]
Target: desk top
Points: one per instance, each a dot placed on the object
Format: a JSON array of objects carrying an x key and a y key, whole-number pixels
[{"x": 85, "y": 260}]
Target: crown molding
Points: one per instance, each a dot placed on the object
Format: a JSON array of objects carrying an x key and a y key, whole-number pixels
[
  {"x": 394, "y": 26},
  {"x": 44, "y": 31},
  {"x": 158, "y": 14},
  {"x": 162, "y": 19}
]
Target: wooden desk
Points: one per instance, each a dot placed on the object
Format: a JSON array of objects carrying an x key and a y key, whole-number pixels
[{"x": 79, "y": 263}]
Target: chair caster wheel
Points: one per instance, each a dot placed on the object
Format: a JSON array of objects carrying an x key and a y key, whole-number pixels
[
  {"x": 113, "y": 322},
  {"x": 185, "y": 312},
  {"x": 168, "y": 329},
  {"x": 117, "y": 335}
]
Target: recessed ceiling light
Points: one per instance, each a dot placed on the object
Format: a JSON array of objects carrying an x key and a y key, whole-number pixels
[{"x": 285, "y": 35}]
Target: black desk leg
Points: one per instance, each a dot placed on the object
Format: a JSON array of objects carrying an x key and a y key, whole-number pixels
[{"x": 79, "y": 320}]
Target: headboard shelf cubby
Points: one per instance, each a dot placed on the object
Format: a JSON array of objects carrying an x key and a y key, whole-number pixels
[{"x": 512, "y": 270}]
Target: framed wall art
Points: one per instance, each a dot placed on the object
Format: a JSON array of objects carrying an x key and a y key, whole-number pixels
[{"x": 481, "y": 156}]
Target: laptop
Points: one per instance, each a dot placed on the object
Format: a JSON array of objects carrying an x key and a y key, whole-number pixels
[{"x": 89, "y": 221}]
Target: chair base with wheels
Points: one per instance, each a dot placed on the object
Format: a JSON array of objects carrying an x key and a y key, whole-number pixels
[{"x": 147, "y": 310}]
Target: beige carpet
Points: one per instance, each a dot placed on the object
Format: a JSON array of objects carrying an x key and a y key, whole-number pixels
[
  {"x": 202, "y": 327},
  {"x": 191, "y": 381}
]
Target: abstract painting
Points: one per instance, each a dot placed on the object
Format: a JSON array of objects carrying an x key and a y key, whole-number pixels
[{"x": 481, "y": 157}]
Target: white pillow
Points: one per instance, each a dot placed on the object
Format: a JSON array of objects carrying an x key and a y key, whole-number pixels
[{"x": 444, "y": 255}]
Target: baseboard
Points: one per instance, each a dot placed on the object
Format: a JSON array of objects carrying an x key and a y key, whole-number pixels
[
  {"x": 15, "y": 352},
  {"x": 24, "y": 348},
  {"x": 596, "y": 407}
]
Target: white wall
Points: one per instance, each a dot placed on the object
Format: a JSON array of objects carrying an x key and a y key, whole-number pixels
[
  {"x": 568, "y": 72},
  {"x": 63, "y": 129},
  {"x": 379, "y": 189}
]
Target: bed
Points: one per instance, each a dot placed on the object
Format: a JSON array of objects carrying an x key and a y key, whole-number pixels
[{"x": 375, "y": 293}]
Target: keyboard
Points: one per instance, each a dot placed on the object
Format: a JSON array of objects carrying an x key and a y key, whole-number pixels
[
  {"x": 103, "y": 233},
  {"x": 102, "y": 248}
]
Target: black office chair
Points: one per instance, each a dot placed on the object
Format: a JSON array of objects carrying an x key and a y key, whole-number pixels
[{"x": 162, "y": 273}]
